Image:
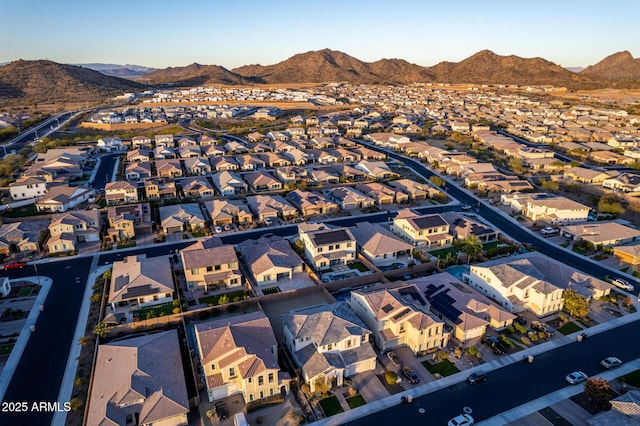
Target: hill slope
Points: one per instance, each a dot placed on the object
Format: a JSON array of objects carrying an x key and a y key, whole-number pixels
[
  {"x": 47, "y": 82},
  {"x": 620, "y": 66},
  {"x": 195, "y": 75}
]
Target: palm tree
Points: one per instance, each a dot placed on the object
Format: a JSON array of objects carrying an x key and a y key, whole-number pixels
[
  {"x": 471, "y": 246},
  {"x": 101, "y": 329}
]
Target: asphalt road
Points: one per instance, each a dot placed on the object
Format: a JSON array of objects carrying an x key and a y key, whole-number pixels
[
  {"x": 105, "y": 171},
  {"x": 39, "y": 373},
  {"x": 515, "y": 384},
  {"x": 29, "y": 135}
]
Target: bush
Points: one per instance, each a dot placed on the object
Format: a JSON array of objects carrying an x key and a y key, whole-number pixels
[
  {"x": 520, "y": 328},
  {"x": 352, "y": 391},
  {"x": 259, "y": 420},
  {"x": 525, "y": 340},
  {"x": 510, "y": 329},
  {"x": 390, "y": 377},
  {"x": 472, "y": 350}
]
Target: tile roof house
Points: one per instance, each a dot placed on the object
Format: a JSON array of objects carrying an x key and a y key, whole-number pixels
[
  {"x": 159, "y": 187},
  {"x": 137, "y": 282},
  {"x": 224, "y": 163},
  {"x": 416, "y": 191},
  {"x": 121, "y": 191},
  {"x": 137, "y": 171},
  {"x": 629, "y": 253},
  {"x": 625, "y": 411},
  {"x": 125, "y": 221},
  {"x": 430, "y": 230},
  {"x": 265, "y": 206},
  {"x": 625, "y": 182},
  {"x": 311, "y": 203},
  {"x": 24, "y": 237},
  {"x": 380, "y": 245},
  {"x": 329, "y": 343},
  {"x": 463, "y": 227},
  {"x": 229, "y": 183},
  {"x": 584, "y": 175},
  {"x": 601, "y": 233},
  {"x": 556, "y": 210},
  {"x": 468, "y": 313},
  {"x": 139, "y": 380},
  {"x": 196, "y": 187},
  {"x": 400, "y": 317},
  {"x": 262, "y": 181},
  {"x": 62, "y": 198},
  {"x": 210, "y": 266},
  {"x": 326, "y": 247},
  {"x": 226, "y": 212},
  {"x": 66, "y": 229},
  {"x": 348, "y": 198},
  {"x": 197, "y": 166},
  {"x": 376, "y": 169},
  {"x": 250, "y": 162},
  {"x": 177, "y": 218},
  {"x": 239, "y": 355},
  {"x": 28, "y": 187},
  {"x": 533, "y": 281},
  {"x": 168, "y": 168},
  {"x": 382, "y": 193},
  {"x": 138, "y": 155},
  {"x": 270, "y": 260}
]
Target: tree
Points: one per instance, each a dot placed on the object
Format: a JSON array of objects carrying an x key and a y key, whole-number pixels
[
  {"x": 549, "y": 185},
  {"x": 575, "y": 304},
  {"x": 76, "y": 404},
  {"x": 95, "y": 297},
  {"x": 107, "y": 275},
  {"x": 83, "y": 340},
  {"x": 610, "y": 205},
  {"x": 101, "y": 329},
  {"x": 516, "y": 165},
  {"x": 437, "y": 180},
  {"x": 223, "y": 300},
  {"x": 598, "y": 389},
  {"x": 471, "y": 246}
]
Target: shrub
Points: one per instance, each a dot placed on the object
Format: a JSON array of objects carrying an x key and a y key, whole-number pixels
[
  {"x": 472, "y": 350},
  {"x": 352, "y": 391},
  {"x": 520, "y": 328},
  {"x": 525, "y": 340},
  {"x": 504, "y": 339},
  {"x": 390, "y": 377},
  {"x": 259, "y": 420},
  {"x": 442, "y": 355},
  {"x": 510, "y": 329}
]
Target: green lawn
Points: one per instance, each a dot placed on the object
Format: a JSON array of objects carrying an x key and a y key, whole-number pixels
[
  {"x": 28, "y": 210},
  {"x": 331, "y": 406},
  {"x": 569, "y": 328},
  {"x": 580, "y": 250},
  {"x": 198, "y": 234},
  {"x": 491, "y": 245},
  {"x": 127, "y": 245},
  {"x": 359, "y": 266},
  {"x": 271, "y": 290},
  {"x": 442, "y": 253},
  {"x": 356, "y": 401},
  {"x": 25, "y": 291},
  {"x": 157, "y": 310},
  {"x": 6, "y": 348},
  {"x": 444, "y": 368},
  {"x": 632, "y": 378},
  {"x": 213, "y": 300}
]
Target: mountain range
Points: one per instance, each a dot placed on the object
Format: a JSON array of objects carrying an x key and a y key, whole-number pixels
[{"x": 46, "y": 81}]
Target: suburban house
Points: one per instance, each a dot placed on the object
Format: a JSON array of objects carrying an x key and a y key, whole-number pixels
[
  {"x": 226, "y": 212},
  {"x": 137, "y": 282},
  {"x": 224, "y": 163},
  {"x": 381, "y": 246},
  {"x": 348, "y": 198},
  {"x": 111, "y": 144},
  {"x": 629, "y": 253},
  {"x": 430, "y": 230},
  {"x": 400, "y": 317},
  {"x": 532, "y": 281},
  {"x": 163, "y": 153},
  {"x": 196, "y": 187},
  {"x": 22, "y": 237},
  {"x": 271, "y": 206},
  {"x": 137, "y": 171},
  {"x": 121, "y": 191},
  {"x": 625, "y": 182},
  {"x": 131, "y": 384},
  {"x": 189, "y": 151},
  {"x": 262, "y": 181},
  {"x": 141, "y": 142},
  {"x": 329, "y": 343},
  {"x": 138, "y": 155},
  {"x": 584, "y": 175},
  {"x": 210, "y": 266},
  {"x": 463, "y": 227},
  {"x": 468, "y": 313},
  {"x": 326, "y": 247},
  {"x": 197, "y": 166},
  {"x": 127, "y": 221},
  {"x": 164, "y": 140},
  {"x": 556, "y": 210},
  {"x": 66, "y": 229},
  {"x": 311, "y": 203},
  {"x": 416, "y": 191},
  {"x": 250, "y": 162},
  {"x": 376, "y": 169},
  {"x": 28, "y": 187},
  {"x": 159, "y": 187},
  {"x": 382, "y": 194},
  {"x": 270, "y": 259},
  {"x": 62, "y": 198},
  {"x": 229, "y": 183},
  {"x": 168, "y": 168},
  {"x": 601, "y": 233},
  {"x": 181, "y": 217},
  {"x": 239, "y": 355},
  {"x": 624, "y": 411}
]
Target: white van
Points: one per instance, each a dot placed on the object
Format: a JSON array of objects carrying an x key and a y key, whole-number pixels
[{"x": 240, "y": 420}]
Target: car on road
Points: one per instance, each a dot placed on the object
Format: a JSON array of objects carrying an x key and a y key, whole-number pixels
[
  {"x": 466, "y": 207},
  {"x": 394, "y": 359},
  {"x": 611, "y": 362},
  {"x": 499, "y": 348},
  {"x": 461, "y": 420},
  {"x": 477, "y": 377},
  {"x": 548, "y": 230},
  {"x": 545, "y": 328},
  {"x": 227, "y": 227},
  {"x": 217, "y": 229},
  {"x": 221, "y": 410},
  {"x": 410, "y": 375},
  {"x": 14, "y": 265},
  {"x": 576, "y": 377},
  {"x": 623, "y": 284}
]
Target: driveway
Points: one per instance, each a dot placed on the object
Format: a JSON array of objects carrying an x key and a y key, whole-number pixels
[
  {"x": 408, "y": 359},
  {"x": 369, "y": 386}
]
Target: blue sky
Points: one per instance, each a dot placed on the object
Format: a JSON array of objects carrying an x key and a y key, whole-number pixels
[{"x": 233, "y": 33}]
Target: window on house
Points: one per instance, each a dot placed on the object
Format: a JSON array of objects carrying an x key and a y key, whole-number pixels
[
  {"x": 260, "y": 380},
  {"x": 209, "y": 269},
  {"x": 270, "y": 377},
  {"x": 249, "y": 379},
  {"x": 195, "y": 271},
  {"x": 217, "y": 268},
  {"x": 232, "y": 372},
  {"x": 261, "y": 394}
]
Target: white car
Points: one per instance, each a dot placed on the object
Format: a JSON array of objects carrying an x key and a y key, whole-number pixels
[
  {"x": 623, "y": 284},
  {"x": 466, "y": 207},
  {"x": 461, "y": 420},
  {"x": 576, "y": 377},
  {"x": 548, "y": 230},
  {"x": 217, "y": 229},
  {"x": 227, "y": 227},
  {"x": 610, "y": 362}
]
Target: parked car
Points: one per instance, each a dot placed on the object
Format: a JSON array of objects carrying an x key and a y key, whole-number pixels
[
  {"x": 217, "y": 229},
  {"x": 548, "y": 230},
  {"x": 227, "y": 227},
  {"x": 221, "y": 410},
  {"x": 623, "y": 284},
  {"x": 14, "y": 265},
  {"x": 499, "y": 348},
  {"x": 576, "y": 377},
  {"x": 394, "y": 359},
  {"x": 611, "y": 362},
  {"x": 477, "y": 377},
  {"x": 461, "y": 420},
  {"x": 410, "y": 375},
  {"x": 521, "y": 320},
  {"x": 540, "y": 326}
]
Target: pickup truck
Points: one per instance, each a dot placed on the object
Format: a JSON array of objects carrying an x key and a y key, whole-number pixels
[
  {"x": 499, "y": 348},
  {"x": 540, "y": 326}
]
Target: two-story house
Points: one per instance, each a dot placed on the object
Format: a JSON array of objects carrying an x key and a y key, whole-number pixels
[
  {"x": 430, "y": 230},
  {"x": 325, "y": 247},
  {"x": 28, "y": 187},
  {"x": 210, "y": 266},
  {"x": 121, "y": 191},
  {"x": 67, "y": 229}
]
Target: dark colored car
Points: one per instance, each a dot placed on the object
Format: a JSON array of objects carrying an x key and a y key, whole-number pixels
[
  {"x": 394, "y": 359},
  {"x": 521, "y": 320},
  {"x": 540, "y": 326},
  {"x": 498, "y": 346},
  {"x": 14, "y": 265},
  {"x": 410, "y": 375},
  {"x": 221, "y": 410},
  {"x": 478, "y": 377}
]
